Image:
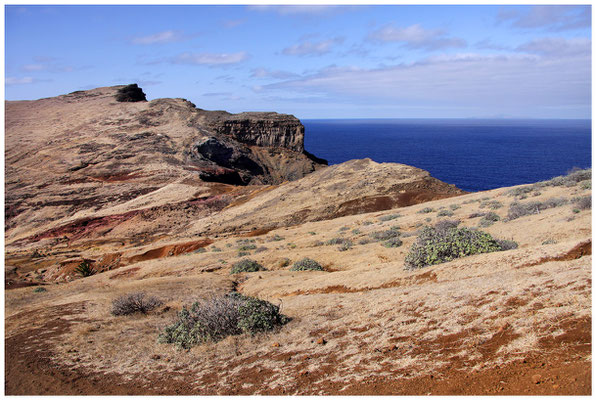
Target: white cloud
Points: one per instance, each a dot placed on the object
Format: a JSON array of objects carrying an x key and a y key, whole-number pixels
[
  {"x": 549, "y": 17},
  {"x": 308, "y": 48},
  {"x": 26, "y": 80},
  {"x": 510, "y": 84},
  {"x": 160, "y": 38},
  {"x": 296, "y": 10},
  {"x": 558, "y": 47},
  {"x": 211, "y": 59},
  {"x": 265, "y": 73},
  {"x": 416, "y": 37}
]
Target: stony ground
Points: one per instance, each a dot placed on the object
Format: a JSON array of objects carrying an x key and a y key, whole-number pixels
[{"x": 510, "y": 322}]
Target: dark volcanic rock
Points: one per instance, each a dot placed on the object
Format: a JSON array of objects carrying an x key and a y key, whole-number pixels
[{"x": 131, "y": 93}]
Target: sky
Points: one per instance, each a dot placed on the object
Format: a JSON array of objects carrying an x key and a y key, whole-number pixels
[{"x": 386, "y": 61}]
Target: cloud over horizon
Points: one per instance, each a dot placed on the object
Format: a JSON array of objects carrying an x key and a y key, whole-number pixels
[
  {"x": 169, "y": 36},
  {"x": 211, "y": 59},
  {"x": 416, "y": 37},
  {"x": 308, "y": 48}
]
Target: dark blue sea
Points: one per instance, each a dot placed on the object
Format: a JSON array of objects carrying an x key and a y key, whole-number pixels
[{"x": 473, "y": 154}]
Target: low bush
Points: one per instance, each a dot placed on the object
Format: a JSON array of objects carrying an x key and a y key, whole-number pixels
[
  {"x": 445, "y": 213},
  {"x": 243, "y": 253},
  {"x": 384, "y": 235},
  {"x": 134, "y": 303},
  {"x": 39, "y": 289},
  {"x": 507, "y": 244},
  {"x": 489, "y": 219},
  {"x": 517, "y": 210},
  {"x": 454, "y": 207},
  {"x": 364, "y": 241},
  {"x": 426, "y": 210},
  {"x": 573, "y": 177},
  {"x": 438, "y": 245},
  {"x": 246, "y": 265},
  {"x": 85, "y": 269},
  {"x": 215, "y": 249},
  {"x": 306, "y": 264},
  {"x": 583, "y": 203},
  {"x": 393, "y": 242},
  {"x": 385, "y": 218},
  {"x": 347, "y": 245},
  {"x": 275, "y": 238},
  {"x": 247, "y": 247},
  {"x": 261, "y": 249},
  {"x": 493, "y": 204},
  {"x": 222, "y": 316},
  {"x": 337, "y": 240},
  {"x": 356, "y": 232}
]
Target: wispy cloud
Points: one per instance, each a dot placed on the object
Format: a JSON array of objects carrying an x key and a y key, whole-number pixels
[
  {"x": 26, "y": 80},
  {"x": 548, "y": 17},
  {"x": 296, "y": 10},
  {"x": 308, "y": 48},
  {"x": 416, "y": 37},
  {"x": 504, "y": 83},
  {"x": 488, "y": 44},
  {"x": 47, "y": 64},
  {"x": 274, "y": 74},
  {"x": 558, "y": 47},
  {"x": 211, "y": 59},
  {"x": 160, "y": 38},
  {"x": 232, "y": 23}
]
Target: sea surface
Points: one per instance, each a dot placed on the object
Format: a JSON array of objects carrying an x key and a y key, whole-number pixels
[{"x": 473, "y": 154}]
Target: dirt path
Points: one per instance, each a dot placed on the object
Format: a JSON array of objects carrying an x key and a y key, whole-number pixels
[{"x": 559, "y": 369}]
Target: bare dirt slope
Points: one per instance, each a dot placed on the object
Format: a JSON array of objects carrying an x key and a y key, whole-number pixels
[{"x": 508, "y": 322}]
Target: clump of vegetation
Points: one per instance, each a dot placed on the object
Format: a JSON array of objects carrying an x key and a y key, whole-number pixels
[
  {"x": 344, "y": 228},
  {"x": 39, "y": 289},
  {"x": 356, "y": 232},
  {"x": 583, "y": 203},
  {"x": 318, "y": 243},
  {"x": 489, "y": 219},
  {"x": 522, "y": 190},
  {"x": 586, "y": 184},
  {"x": 261, "y": 249},
  {"x": 426, "y": 210},
  {"x": 445, "y": 213},
  {"x": 130, "y": 93},
  {"x": 243, "y": 253},
  {"x": 85, "y": 269},
  {"x": 393, "y": 242},
  {"x": 312, "y": 233},
  {"x": 337, "y": 240},
  {"x": 366, "y": 223},
  {"x": 275, "y": 238},
  {"x": 493, "y": 204},
  {"x": 347, "y": 245},
  {"x": 573, "y": 177},
  {"x": 390, "y": 217},
  {"x": 134, "y": 303},
  {"x": 441, "y": 244},
  {"x": 247, "y": 247},
  {"x": 454, "y": 207},
  {"x": 517, "y": 210},
  {"x": 222, "y": 316},
  {"x": 549, "y": 241},
  {"x": 364, "y": 241},
  {"x": 507, "y": 244},
  {"x": 384, "y": 235},
  {"x": 199, "y": 250},
  {"x": 306, "y": 264},
  {"x": 246, "y": 265},
  {"x": 215, "y": 249}
]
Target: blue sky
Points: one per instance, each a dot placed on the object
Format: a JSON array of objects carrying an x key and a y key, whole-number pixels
[{"x": 313, "y": 61}]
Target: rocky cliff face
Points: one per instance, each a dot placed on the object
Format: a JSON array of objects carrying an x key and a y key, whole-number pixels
[{"x": 263, "y": 129}]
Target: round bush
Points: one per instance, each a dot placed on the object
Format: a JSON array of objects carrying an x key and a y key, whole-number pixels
[
  {"x": 246, "y": 265},
  {"x": 306, "y": 264}
]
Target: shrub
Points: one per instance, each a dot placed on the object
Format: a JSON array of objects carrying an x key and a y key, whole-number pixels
[
  {"x": 393, "y": 242},
  {"x": 549, "y": 241},
  {"x": 445, "y": 213},
  {"x": 389, "y": 217},
  {"x": 39, "y": 289},
  {"x": 384, "y": 235},
  {"x": 222, "y": 316},
  {"x": 517, "y": 210},
  {"x": 275, "y": 238},
  {"x": 518, "y": 191},
  {"x": 584, "y": 203},
  {"x": 454, "y": 207},
  {"x": 493, "y": 205},
  {"x": 318, "y": 243},
  {"x": 507, "y": 244},
  {"x": 364, "y": 241},
  {"x": 426, "y": 210},
  {"x": 130, "y": 93},
  {"x": 85, "y": 269},
  {"x": 437, "y": 245},
  {"x": 247, "y": 247},
  {"x": 312, "y": 233},
  {"x": 261, "y": 249},
  {"x": 572, "y": 178},
  {"x": 243, "y": 253},
  {"x": 489, "y": 219},
  {"x": 337, "y": 240},
  {"x": 347, "y": 245},
  {"x": 246, "y": 265},
  {"x": 356, "y": 232},
  {"x": 586, "y": 184},
  {"x": 365, "y": 223},
  {"x": 306, "y": 264},
  {"x": 344, "y": 228},
  {"x": 134, "y": 303},
  {"x": 215, "y": 249}
]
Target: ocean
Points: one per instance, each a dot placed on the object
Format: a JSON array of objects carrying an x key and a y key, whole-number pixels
[{"x": 473, "y": 154}]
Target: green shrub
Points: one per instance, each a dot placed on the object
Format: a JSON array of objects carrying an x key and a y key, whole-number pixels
[
  {"x": 364, "y": 241},
  {"x": 426, "y": 210},
  {"x": 583, "y": 203},
  {"x": 344, "y": 228},
  {"x": 275, "y": 238},
  {"x": 356, "y": 232},
  {"x": 517, "y": 210},
  {"x": 243, "y": 253},
  {"x": 489, "y": 219},
  {"x": 438, "y": 245},
  {"x": 493, "y": 205},
  {"x": 454, "y": 207},
  {"x": 261, "y": 249},
  {"x": 247, "y": 247},
  {"x": 39, "y": 289},
  {"x": 445, "y": 213},
  {"x": 384, "y": 235},
  {"x": 507, "y": 244},
  {"x": 337, "y": 240},
  {"x": 222, "y": 316},
  {"x": 572, "y": 178},
  {"x": 586, "y": 184},
  {"x": 306, "y": 264},
  {"x": 347, "y": 245},
  {"x": 385, "y": 218},
  {"x": 134, "y": 303},
  {"x": 246, "y": 265},
  {"x": 366, "y": 223},
  {"x": 215, "y": 249},
  {"x": 85, "y": 269},
  {"x": 393, "y": 242}
]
